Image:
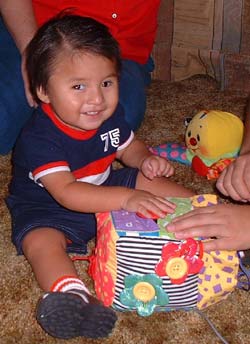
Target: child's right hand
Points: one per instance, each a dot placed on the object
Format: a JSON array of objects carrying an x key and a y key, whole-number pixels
[{"x": 146, "y": 204}]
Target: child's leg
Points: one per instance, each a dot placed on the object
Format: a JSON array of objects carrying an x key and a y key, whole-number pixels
[
  {"x": 45, "y": 250},
  {"x": 68, "y": 310},
  {"x": 162, "y": 186}
]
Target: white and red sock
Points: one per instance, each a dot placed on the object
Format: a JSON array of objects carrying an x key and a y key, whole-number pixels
[{"x": 72, "y": 284}]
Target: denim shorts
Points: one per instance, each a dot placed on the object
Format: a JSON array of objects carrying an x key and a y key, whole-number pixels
[{"x": 77, "y": 227}]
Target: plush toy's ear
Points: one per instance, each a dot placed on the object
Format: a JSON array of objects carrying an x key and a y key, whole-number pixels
[{"x": 187, "y": 121}]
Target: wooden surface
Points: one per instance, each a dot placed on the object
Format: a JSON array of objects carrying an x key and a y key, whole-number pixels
[{"x": 209, "y": 37}]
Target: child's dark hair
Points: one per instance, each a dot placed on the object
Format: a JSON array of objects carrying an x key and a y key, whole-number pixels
[{"x": 69, "y": 31}]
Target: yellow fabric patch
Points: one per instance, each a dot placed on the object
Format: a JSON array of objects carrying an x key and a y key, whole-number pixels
[
  {"x": 204, "y": 200},
  {"x": 218, "y": 277}
]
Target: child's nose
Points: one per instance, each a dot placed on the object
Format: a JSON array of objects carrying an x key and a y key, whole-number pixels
[{"x": 95, "y": 96}]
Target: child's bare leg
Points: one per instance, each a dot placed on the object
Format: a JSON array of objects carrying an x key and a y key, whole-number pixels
[
  {"x": 69, "y": 310},
  {"x": 45, "y": 250},
  {"x": 162, "y": 186}
]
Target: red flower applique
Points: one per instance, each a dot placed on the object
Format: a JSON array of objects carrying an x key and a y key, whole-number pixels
[{"x": 179, "y": 260}]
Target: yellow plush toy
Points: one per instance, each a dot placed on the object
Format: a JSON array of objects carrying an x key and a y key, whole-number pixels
[{"x": 213, "y": 138}]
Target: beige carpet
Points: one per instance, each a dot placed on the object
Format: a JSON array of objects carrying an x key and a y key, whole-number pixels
[{"x": 168, "y": 105}]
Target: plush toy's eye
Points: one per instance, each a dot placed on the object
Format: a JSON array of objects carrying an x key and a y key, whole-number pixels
[
  {"x": 189, "y": 133},
  {"x": 198, "y": 137}
]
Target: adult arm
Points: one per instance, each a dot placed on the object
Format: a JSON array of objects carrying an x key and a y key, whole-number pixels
[
  {"x": 235, "y": 179},
  {"x": 20, "y": 21},
  {"x": 19, "y": 18}
]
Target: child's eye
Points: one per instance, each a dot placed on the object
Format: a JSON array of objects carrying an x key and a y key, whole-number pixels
[
  {"x": 79, "y": 87},
  {"x": 107, "y": 83}
]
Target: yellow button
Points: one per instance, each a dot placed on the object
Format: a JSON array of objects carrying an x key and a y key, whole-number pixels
[
  {"x": 144, "y": 291},
  {"x": 176, "y": 268}
]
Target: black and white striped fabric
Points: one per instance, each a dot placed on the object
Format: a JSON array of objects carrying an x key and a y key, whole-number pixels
[{"x": 138, "y": 255}]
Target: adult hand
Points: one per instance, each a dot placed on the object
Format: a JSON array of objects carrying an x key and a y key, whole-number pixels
[
  {"x": 228, "y": 225},
  {"x": 235, "y": 179}
]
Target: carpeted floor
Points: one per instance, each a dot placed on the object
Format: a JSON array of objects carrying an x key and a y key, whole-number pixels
[{"x": 168, "y": 105}]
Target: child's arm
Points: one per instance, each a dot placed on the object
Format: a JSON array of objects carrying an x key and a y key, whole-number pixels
[
  {"x": 235, "y": 179},
  {"x": 137, "y": 155},
  {"x": 85, "y": 197},
  {"x": 228, "y": 224}
]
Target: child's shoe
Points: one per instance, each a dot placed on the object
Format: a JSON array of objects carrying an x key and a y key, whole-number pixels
[{"x": 68, "y": 315}]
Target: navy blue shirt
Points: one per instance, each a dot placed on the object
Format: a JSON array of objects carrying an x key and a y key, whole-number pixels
[{"x": 46, "y": 146}]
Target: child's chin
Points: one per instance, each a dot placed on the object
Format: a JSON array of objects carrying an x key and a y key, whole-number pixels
[{"x": 92, "y": 125}]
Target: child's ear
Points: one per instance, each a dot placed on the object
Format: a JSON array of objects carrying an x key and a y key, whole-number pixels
[{"x": 42, "y": 95}]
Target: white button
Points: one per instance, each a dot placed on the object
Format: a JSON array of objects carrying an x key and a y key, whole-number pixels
[{"x": 114, "y": 15}]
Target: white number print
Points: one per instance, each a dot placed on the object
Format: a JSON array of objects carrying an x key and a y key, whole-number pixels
[{"x": 112, "y": 137}]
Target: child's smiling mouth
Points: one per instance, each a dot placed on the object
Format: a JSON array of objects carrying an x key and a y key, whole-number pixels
[{"x": 91, "y": 113}]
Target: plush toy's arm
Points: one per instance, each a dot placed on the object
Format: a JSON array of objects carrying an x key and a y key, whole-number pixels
[
  {"x": 171, "y": 151},
  {"x": 199, "y": 167}
]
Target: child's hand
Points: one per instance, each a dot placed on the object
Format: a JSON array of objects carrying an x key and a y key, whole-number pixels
[
  {"x": 227, "y": 224},
  {"x": 235, "y": 179},
  {"x": 146, "y": 204},
  {"x": 156, "y": 166}
]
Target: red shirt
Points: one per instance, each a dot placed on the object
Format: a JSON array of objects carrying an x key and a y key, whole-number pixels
[{"x": 132, "y": 22}]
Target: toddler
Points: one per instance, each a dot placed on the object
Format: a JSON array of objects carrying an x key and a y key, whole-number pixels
[{"x": 62, "y": 168}]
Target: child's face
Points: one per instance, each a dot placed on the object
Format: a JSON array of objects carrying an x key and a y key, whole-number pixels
[{"x": 82, "y": 89}]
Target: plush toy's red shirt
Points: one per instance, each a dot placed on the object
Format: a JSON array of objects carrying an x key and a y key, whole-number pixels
[{"x": 132, "y": 22}]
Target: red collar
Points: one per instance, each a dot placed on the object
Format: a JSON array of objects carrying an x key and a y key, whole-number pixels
[{"x": 72, "y": 132}]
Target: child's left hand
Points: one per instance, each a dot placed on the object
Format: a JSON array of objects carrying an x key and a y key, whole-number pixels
[{"x": 156, "y": 166}]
